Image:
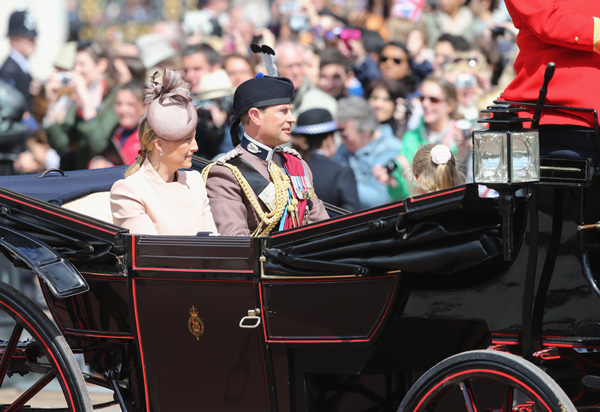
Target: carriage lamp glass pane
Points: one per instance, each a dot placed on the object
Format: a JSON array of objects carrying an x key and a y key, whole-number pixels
[
  {"x": 490, "y": 157},
  {"x": 525, "y": 157}
]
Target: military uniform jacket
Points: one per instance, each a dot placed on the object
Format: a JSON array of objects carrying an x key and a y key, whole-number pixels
[
  {"x": 232, "y": 212},
  {"x": 566, "y": 32}
]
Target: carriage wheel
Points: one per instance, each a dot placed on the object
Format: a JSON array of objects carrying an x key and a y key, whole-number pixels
[
  {"x": 36, "y": 364},
  {"x": 484, "y": 380}
]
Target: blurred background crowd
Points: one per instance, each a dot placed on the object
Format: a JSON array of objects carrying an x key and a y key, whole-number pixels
[{"x": 394, "y": 75}]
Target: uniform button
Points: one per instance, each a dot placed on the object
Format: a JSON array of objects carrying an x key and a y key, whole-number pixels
[{"x": 576, "y": 39}]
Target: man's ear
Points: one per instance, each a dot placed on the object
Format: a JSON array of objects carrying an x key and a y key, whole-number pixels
[{"x": 255, "y": 116}]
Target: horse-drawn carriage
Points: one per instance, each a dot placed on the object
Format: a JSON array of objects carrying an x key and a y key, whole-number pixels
[{"x": 442, "y": 302}]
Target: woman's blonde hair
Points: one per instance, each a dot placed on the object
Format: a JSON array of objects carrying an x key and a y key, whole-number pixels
[
  {"x": 430, "y": 176},
  {"x": 147, "y": 137}
]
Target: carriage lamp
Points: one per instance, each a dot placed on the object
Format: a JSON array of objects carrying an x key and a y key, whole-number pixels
[
  {"x": 505, "y": 153},
  {"x": 505, "y": 157}
]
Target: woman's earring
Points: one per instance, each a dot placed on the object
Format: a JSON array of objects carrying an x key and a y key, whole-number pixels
[{"x": 160, "y": 154}]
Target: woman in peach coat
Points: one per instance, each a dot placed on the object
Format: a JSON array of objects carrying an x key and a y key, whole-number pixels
[{"x": 156, "y": 197}]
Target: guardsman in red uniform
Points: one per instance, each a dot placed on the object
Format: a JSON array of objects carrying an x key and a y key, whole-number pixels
[{"x": 566, "y": 32}]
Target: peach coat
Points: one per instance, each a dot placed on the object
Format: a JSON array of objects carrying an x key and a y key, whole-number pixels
[{"x": 145, "y": 204}]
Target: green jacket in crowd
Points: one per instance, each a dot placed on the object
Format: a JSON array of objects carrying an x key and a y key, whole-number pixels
[{"x": 85, "y": 139}]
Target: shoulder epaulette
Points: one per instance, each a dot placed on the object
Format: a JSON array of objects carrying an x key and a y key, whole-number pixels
[
  {"x": 228, "y": 156},
  {"x": 221, "y": 160}
]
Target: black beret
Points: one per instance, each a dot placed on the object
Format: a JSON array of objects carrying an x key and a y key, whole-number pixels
[
  {"x": 22, "y": 23},
  {"x": 315, "y": 122},
  {"x": 261, "y": 91}
]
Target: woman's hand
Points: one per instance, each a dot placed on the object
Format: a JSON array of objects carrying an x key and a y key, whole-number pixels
[
  {"x": 267, "y": 36},
  {"x": 52, "y": 87},
  {"x": 218, "y": 116},
  {"x": 55, "y": 87},
  {"x": 358, "y": 54},
  {"x": 88, "y": 105},
  {"x": 383, "y": 176},
  {"x": 308, "y": 7},
  {"x": 27, "y": 163},
  {"x": 401, "y": 110}
]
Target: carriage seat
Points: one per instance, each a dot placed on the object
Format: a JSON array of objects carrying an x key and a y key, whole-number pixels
[{"x": 96, "y": 205}]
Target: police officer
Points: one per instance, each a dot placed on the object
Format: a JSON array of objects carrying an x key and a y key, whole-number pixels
[
  {"x": 260, "y": 186},
  {"x": 22, "y": 32}
]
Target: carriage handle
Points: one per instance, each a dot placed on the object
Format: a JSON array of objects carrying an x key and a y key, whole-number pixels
[
  {"x": 43, "y": 175},
  {"x": 253, "y": 317},
  {"x": 591, "y": 226}
]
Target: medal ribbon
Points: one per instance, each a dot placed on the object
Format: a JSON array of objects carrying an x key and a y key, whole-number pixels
[{"x": 295, "y": 170}]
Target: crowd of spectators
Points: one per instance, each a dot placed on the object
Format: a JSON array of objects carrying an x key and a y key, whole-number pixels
[{"x": 394, "y": 74}]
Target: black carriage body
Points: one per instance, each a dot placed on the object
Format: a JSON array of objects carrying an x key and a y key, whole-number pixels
[{"x": 339, "y": 315}]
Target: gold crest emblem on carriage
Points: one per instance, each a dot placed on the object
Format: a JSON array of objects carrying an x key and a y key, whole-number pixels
[{"x": 195, "y": 324}]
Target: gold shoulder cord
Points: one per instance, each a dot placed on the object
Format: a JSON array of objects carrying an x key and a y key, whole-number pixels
[
  {"x": 596, "y": 34},
  {"x": 282, "y": 185}
]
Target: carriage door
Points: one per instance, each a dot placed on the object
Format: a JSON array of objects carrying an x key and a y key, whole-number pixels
[
  {"x": 319, "y": 317},
  {"x": 190, "y": 294}
]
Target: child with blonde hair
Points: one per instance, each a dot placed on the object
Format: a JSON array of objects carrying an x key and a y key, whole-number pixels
[{"x": 434, "y": 168}]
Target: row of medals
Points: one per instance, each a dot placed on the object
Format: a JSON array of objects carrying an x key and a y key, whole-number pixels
[{"x": 293, "y": 204}]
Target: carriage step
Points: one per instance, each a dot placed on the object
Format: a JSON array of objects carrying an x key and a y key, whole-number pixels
[{"x": 591, "y": 381}]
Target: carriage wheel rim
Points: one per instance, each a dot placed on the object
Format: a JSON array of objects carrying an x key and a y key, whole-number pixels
[
  {"x": 479, "y": 371},
  {"x": 48, "y": 351}
]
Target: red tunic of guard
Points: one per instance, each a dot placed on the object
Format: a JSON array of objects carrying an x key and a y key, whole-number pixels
[{"x": 564, "y": 32}]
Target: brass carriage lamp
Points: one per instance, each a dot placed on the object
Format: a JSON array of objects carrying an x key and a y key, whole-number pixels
[{"x": 506, "y": 153}]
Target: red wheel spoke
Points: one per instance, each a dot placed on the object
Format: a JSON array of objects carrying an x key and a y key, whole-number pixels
[
  {"x": 467, "y": 392},
  {"x": 31, "y": 392},
  {"x": 9, "y": 350},
  {"x": 44, "y": 357},
  {"x": 485, "y": 380},
  {"x": 508, "y": 399}
]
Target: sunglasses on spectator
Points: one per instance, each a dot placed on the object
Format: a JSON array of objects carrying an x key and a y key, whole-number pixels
[
  {"x": 396, "y": 60},
  {"x": 432, "y": 99}
]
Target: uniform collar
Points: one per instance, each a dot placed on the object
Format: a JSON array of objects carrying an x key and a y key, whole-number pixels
[{"x": 257, "y": 149}]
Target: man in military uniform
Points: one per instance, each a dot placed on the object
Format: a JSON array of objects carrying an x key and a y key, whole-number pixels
[
  {"x": 22, "y": 31},
  {"x": 260, "y": 186}
]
